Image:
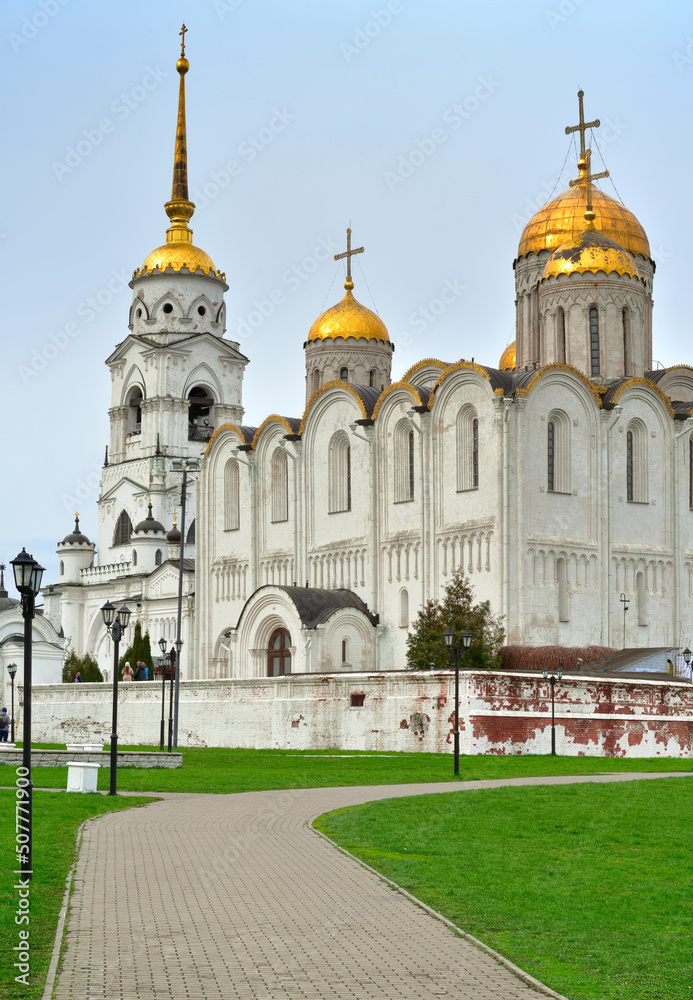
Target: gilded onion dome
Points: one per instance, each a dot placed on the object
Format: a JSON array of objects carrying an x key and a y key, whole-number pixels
[
  {"x": 348, "y": 318},
  {"x": 508, "y": 358},
  {"x": 563, "y": 218},
  {"x": 590, "y": 251},
  {"x": 178, "y": 250}
]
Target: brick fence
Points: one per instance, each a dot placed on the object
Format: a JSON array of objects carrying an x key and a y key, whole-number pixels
[{"x": 500, "y": 713}]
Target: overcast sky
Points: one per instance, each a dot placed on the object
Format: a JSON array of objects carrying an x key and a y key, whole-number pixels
[{"x": 435, "y": 128}]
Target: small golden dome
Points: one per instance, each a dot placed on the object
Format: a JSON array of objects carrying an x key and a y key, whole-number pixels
[
  {"x": 563, "y": 218},
  {"x": 348, "y": 319},
  {"x": 177, "y": 254},
  {"x": 508, "y": 358},
  {"x": 590, "y": 251}
]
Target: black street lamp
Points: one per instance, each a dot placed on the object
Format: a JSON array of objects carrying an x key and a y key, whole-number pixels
[
  {"x": 27, "y": 580},
  {"x": 162, "y": 661},
  {"x": 553, "y": 679},
  {"x": 12, "y": 670},
  {"x": 116, "y": 622},
  {"x": 687, "y": 659},
  {"x": 172, "y": 659},
  {"x": 455, "y": 646}
]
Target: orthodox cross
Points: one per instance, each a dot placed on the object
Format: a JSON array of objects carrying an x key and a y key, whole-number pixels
[
  {"x": 583, "y": 126},
  {"x": 182, "y": 32},
  {"x": 349, "y": 253}
]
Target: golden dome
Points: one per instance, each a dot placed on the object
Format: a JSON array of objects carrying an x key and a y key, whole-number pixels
[
  {"x": 348, "y": 319},
  {"x": 563, "y": 218},
  {"x": 177, "y": 254},
  {"x": 590, "y": 251},
  {"x": 508, "y": 359}
]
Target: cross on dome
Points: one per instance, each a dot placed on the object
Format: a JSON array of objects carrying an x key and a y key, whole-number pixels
[
  {"x": 182, "y": 33},
  {"x": 348, "y": 253},
  {"x": 582, "y": 126}
]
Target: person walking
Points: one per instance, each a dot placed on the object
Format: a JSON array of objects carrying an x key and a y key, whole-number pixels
[
  {"x": 4, "y": 725},
  {"x": 139, "y": 672},
  {"x": 127, "y": 672}
]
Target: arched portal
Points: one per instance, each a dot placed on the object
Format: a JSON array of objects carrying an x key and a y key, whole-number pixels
[{"x": 279, "y": 653}]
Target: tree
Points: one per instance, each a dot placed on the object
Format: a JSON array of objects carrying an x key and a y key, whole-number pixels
[
  {"x": 139, "y": 650},
  {"x": 426, "y": 649},
  {"x": 87, "y": 666}
]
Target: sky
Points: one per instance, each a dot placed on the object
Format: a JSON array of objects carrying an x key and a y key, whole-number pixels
[{"x": 435, "y": 129}]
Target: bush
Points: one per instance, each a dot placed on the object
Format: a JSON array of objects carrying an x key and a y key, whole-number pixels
[
  {"x": 139, "y": 650},
  {"x": 426, "y": 649},
  {"x": 86, "y": 665}
]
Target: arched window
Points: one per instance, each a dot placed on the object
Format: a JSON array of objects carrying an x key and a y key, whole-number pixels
[
  {"x": 404, "y": 461},
  {"x": 123, "y": 529},
  {"x": 373, "y": 377},
  {"x": 562, "y": 578},
  {"x": 279, "y": 487},
  {"x": 200, "y": 426},
  {"x": 134, "y": 416},
  {"x": 642, "y": 598},
  {"x": 467, "y": 449},
  {"x": 232, "y": 514},
  {"x": 636, "y": 462},
  {"x": 134, "y": 557},
  {"x": 558, "y": 453},
  {"x": 344, "y": 374},
  {"x": 403, "y": 608},
  {"x": 190, "y": 538},
  {"x": 339, "y": 473},
  {"x": 157, "y": 558},
  {"x": 560, "y": 335},
  {"x": 594, "y": 341},
  {"x": 279, "y": 653},
  {"x": 62, "y": 568},
  {"x": 316, "y": 380},
  {"x": 627, "y": 351},
  {"x": 345, "y": 652}
]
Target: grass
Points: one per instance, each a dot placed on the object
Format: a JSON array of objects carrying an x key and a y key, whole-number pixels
[
  {"x": 229, "y": 770},
  {"x": 57, "y": 819},
  {"x": 587, "y": 887}
]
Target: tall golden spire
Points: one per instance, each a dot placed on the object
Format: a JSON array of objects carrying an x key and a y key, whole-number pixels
[{"x": 180, "y": 209}]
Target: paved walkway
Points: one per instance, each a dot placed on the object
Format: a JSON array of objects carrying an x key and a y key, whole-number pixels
[{"x": 218, "y": 897}]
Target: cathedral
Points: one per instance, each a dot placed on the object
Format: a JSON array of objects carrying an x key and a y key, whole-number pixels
[{"x": 560, "y": 480}]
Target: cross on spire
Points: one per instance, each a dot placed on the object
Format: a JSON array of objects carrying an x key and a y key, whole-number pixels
[
  {"x": 182, "y": 34},
  {"x": 582, "y": 126},
  {"x": 349, "y": 253}
]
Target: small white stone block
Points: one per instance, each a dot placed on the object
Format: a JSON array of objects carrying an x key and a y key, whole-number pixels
[
  {"x": 7, "y": 746},
  {"x": 93, "y": 747},
  {"x": 74, "y": 747},
  {"x": 81, "y": 777}
]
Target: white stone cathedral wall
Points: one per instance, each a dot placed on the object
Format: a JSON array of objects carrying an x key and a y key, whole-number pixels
[{"x": 405, "y": 711}]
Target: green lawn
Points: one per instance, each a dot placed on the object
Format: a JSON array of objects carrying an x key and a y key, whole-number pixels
[
  {"x": 56, "y": 821},
  {"x": 587, "y": 887},
  {"x": 225, "y": 770}
]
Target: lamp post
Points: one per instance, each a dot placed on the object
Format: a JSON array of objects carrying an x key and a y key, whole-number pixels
[
  {"x": 27, "y": 579},
  {"x": 687, "y": 659},
  {"x": 552, "y": 679},
  {"x": 172, "y": 658},
  {"x": 12, "y": 670},
  {"x": 455, "y": 646},
  {"x": 116, "y": 622},
  {"x": 162, "y": 661},
  {"x": 624, "y": 601},
  {"x": 181, "y": 465}
]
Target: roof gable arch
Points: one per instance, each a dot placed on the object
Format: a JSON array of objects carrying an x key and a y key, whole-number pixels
[
  {"x": 575, "y": 390},
  {"x": 416, "y": 395},
  {"x": 364, "y": 397},
  {"x": 467, "y": 371},
  {"x": 220, "y": 437},
  {"x": 528, "y": 381},
  {"x": 269, "y": 426},
  {"x": 643, "y": 389}
]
